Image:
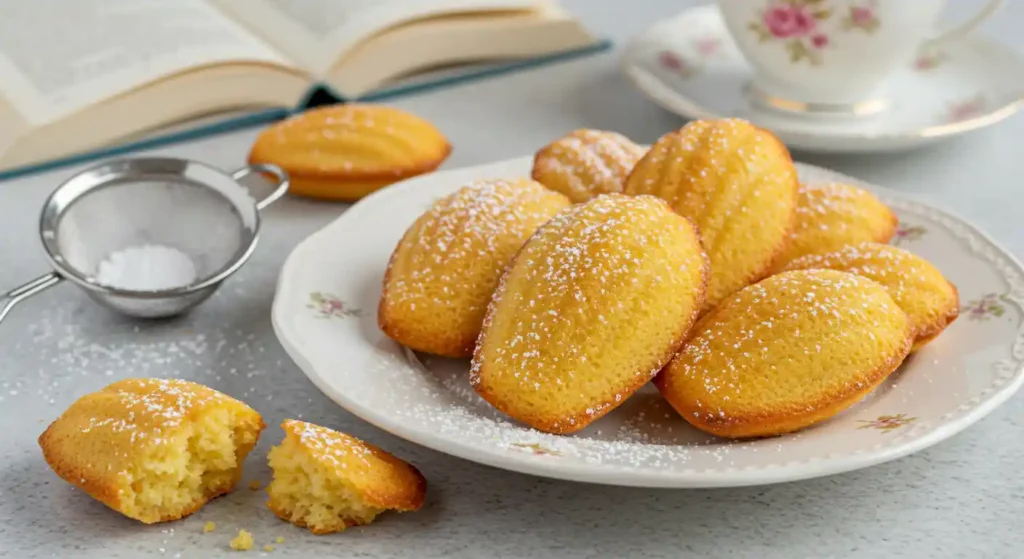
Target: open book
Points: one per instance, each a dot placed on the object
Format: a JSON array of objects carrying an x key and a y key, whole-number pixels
[{"x": 86, "y": 74}]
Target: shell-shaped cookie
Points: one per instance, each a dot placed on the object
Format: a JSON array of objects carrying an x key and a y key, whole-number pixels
[
  {"x": 152, "y": 449},
  {"x": 918, "y": 287},
  {"x": 346, "y": 151},
  {"x": 446, "y": 266},
  {"x": 597, "y": 301},
  {"x": 586, "y": 163},
  {"x": 833, "y": 215},
  {"x": 786, "y": 353},
  {"x": 737, "y": 183}
]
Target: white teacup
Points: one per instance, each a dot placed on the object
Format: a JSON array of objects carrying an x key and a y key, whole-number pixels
[{"x": 832, "y": 56}]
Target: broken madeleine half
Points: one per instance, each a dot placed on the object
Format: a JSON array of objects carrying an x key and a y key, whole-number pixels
[
  {"x": 326, "y": 481},
  {"x": 152, "y": 449}
]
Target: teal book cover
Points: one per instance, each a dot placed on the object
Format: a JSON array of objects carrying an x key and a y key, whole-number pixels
[{"x": 317, "y": 96}]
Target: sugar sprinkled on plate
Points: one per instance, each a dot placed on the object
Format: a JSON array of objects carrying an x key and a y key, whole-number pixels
[{"x": 146, "y": 268}]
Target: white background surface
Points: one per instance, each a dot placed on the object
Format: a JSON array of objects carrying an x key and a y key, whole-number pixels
[{"x": 963, "y": 498}]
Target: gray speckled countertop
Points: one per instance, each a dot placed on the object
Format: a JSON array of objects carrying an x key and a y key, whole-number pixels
[{"x": 962, "y": 498}]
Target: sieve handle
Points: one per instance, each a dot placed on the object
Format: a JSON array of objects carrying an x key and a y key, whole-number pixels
[
  {"x": 280, "y": 181},
  {"x": 20, "y": 293}
]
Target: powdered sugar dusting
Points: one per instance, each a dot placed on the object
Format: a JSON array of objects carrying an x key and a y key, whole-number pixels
[
  {"x": 737, "y": 184},
  {"x": 818, "y": 312},
  {"x": 591, "y": 269},
  {"x": 150, "y": 408},
  {"x": 328, "y": 446},
  {"x": 462, "y": 244},
  {"x": 586, "y": 163}
]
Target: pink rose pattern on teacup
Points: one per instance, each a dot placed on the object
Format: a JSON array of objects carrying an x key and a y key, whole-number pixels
[
  {"x": 789, "y": 20},
  {"x": 798, "y": 24}
]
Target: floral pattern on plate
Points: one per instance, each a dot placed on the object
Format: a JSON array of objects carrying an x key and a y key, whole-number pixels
[
  {"x": 966, "y": 109},
  {"x": 908, "y": 233},
  {"x": 887, "y": 423},
  {"x": 329, "y": 306},
  {"x": 688, "y": 66},
  {"x": 536, "y": 448},
  {"x": 988, "y": 306}
]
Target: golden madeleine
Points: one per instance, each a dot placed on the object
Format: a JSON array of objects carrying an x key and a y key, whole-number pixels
[
  {"x": 446, "y": 266},
  {"x": 344, "y": 152},
  {"x": 586, "y": 163},
  {"x": 327, "y": 481},
  {"x": 918, "y": 287},
  {"x": 833, "y": 215},
  {"x": 152, "y": 449},
  {"x": 597, "y": 301},
  {"x": 786, "y": 353},
  {"x": 736, "y": 183}
]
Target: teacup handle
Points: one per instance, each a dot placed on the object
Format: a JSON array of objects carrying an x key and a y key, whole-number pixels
[
  {"x": 280, "y": 178},
  {"x": 968, "y": 26}
]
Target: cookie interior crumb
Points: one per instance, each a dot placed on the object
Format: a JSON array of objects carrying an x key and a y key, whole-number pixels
[{"x": 242, "y": 542}]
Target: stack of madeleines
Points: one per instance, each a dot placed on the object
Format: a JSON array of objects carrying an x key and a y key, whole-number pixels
[{"x": 756, "y": 305}]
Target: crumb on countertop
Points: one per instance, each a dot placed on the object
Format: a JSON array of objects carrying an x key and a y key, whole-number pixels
[
  {"x": 254, "y": 485},
  {"x": 242, "y": 542},
  {"x": 280, "y": 539},
  {"x": 268, "y": 547},
  {"x": 209, "y": 527}
]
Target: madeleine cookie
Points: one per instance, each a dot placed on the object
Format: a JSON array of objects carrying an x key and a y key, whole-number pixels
[
  {"x": 786, "y": 353},
  {"x": 919, "y": 288},
  {"x": 738, "y": 185},
  {"x": 326, "y": 481},
  {"x": 344, "y": 152},
  {"x": 596, "y": 302},
  {"x": 586, "y": 163},
  {"x": 446, "y": 266},
  {"x": 833, "y": 215},
  {"x": 152, "y": 449}
]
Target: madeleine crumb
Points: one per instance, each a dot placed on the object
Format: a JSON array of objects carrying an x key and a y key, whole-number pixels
[
  {"x": 242, "y": 542},
  {"x": 268, "y": 548},
  {"x": 280, "y": 539},
  {"x": 254, "y": 485},
  {"x": 209, "y": 527}
]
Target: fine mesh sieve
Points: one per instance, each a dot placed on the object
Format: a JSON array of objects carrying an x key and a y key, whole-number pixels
[{"x": 185, "y": 205}]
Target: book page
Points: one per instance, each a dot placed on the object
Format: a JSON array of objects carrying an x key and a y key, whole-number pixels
[
  {"x": 319, "y": 32},
  {"x": 59, "y": 56}
]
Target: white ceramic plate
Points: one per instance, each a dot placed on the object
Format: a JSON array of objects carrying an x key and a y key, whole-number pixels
[
  {"x": 325, "y": 314},
  {"x": 690, "y": 65}
]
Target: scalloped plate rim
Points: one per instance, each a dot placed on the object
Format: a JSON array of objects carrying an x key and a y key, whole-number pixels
[{"x": 820, "y": 466}]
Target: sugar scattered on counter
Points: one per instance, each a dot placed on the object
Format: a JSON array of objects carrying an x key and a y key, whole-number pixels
[{"x": 146, "y": 268}]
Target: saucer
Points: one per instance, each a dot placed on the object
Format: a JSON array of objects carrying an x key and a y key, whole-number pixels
[{"x": 690, "y": 65}]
